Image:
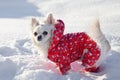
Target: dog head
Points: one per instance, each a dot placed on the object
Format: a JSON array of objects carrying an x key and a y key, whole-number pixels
[{"x": 42, "y": 32}]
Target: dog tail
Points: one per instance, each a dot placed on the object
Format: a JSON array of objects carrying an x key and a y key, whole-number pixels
[
  {"x": 94, "y": 30},
  {"x": 96, "y": 34}
]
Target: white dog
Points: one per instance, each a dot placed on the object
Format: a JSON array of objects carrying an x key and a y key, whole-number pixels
[{"x": 42, "y": 35}]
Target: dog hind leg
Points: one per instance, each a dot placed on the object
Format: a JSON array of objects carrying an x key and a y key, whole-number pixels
[{"x": 96, "y": 34}]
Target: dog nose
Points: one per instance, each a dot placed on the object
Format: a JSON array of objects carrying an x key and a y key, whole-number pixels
[{"x": 39, "y": 38}]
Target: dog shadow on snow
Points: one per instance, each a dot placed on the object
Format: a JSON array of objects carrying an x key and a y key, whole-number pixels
[{"x": 113, "y": 66}]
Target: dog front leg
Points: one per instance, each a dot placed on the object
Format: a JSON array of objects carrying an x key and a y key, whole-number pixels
[{"x": 64, "y": 68}]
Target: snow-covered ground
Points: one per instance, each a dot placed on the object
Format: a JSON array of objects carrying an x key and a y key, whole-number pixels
[{"x": 19, "y": 59}]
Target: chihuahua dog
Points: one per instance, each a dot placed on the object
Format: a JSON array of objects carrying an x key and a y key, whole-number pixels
[{"x": 90, "y": 48}]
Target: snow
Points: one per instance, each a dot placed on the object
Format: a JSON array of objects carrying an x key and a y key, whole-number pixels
[
  {"x": 7, "y": 69},
  {"x": 19, "y": 59},
  {"x": 17, "y": 9}
]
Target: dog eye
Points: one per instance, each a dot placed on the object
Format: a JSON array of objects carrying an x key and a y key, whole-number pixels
[
  {"x": 35, "y": 33},
  {"x": 45, "y": 33}
]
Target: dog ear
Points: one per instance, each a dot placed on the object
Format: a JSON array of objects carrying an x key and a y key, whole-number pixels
[
  {"x": 34, "y": 22},
  {"x": 50, "y": 19}
]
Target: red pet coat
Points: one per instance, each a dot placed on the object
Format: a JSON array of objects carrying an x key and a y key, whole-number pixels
[{"x": 65, "y": 49}]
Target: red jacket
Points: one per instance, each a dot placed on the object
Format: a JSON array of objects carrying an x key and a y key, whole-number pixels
[{"x": 65, "y": 49}]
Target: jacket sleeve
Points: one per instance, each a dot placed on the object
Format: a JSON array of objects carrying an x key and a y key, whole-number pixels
[
  {"x": 92, "y": 53},
  {"x": 57, "y": 33},
  {"x": 64, "y": 67}
]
